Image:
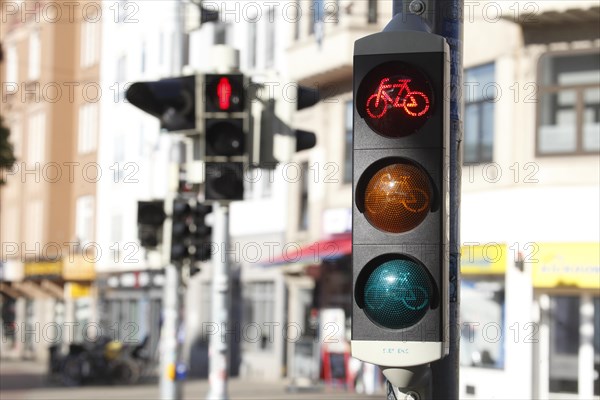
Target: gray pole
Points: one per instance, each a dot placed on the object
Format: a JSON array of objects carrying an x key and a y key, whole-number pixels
[
  {"x": 170, "y": 347},
  {"x": 217, "y": 345},
  {"x": 445, "y": 18},
  {"x": 170, "y": 386}
]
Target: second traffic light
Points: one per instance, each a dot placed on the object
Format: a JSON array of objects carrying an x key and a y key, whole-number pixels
[
  {"x": 150, "y": 218},
  {"x": 400, "y": 210},
  {"x": 226, "y": 127},
  {"x": 190, "y": 235}
]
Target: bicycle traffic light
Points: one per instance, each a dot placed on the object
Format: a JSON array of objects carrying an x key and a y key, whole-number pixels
[
  {"x": 150, "y": 218},
  {"x": 226, "y": 125},
  {"x": 190, "y": 235},
  {"x": 172, "y": 100},
  {"x": 400, "y": 207}
]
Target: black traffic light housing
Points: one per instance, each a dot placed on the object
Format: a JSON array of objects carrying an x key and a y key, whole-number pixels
[
  {"x": 190, "y": 234},
  {"x": 172, "y": 100},
  {"x": 262, "y": 153},
  {"x": 400, "y": 207},
  {"x": 226, "y": 128},
  {"x": 150, "y": 218}
]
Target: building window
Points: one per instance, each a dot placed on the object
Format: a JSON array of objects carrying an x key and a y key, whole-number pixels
[
  {"x": 270, "y": 38},
  {"x": 89, "y": 43},
  {"x": 35, "y": 224},
  {"x": 143, "y": 58},
  {"x": 479, "y": 114},
  {"x": 372, "y": 12},
  {"x": 161, "y": 48},
  {"x": 88, "y": 128},
  {"x": 12, "y": 64},
  {"x": 259, "y": 315},
  {"x": 16, "y": 138},
  {"x": 297, "y": 20},
  {"x": 36, "y": 138},
  {"x": 220, "y": 33},
  {"x": 569, "y": 106},
  {"x": 349, "y": 112},
  {"x": 252, "y": 26},
  {"x": 35, "y": 56},
  {"x": 303, "y": 216},
  {"x": 84, "y": 219},
  {"x": 317, "y": 10}
]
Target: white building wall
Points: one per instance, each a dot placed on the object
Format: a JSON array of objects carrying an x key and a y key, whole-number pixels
[{"x": 142, "y": 47}]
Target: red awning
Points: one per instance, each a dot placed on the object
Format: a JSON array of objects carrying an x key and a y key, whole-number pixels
[{"x": 327, "y": 249}]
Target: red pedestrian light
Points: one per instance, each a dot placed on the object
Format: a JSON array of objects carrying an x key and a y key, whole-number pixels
[{"x": 224, "y": 93}]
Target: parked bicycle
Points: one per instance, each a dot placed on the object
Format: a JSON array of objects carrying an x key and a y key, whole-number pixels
[{"x": 104, "y": 360}]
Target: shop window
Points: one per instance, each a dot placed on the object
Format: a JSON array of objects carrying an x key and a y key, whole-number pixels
[
  {"x": 479, "y": 114},
  {"x": 259, "y": 327},
  {"x": 569, "y": 104},
  {"x": 482, "y": 324},
  {"x": 564, "y": 343}
]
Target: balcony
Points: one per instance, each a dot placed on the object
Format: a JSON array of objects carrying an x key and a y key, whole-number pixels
[{"x": 330, "y": 61}]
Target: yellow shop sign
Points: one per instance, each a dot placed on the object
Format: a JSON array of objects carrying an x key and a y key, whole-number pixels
[
  {"x": 43, "y": 269},
  {"x": 483, "y": 258},
  {"x": 78, "y": 290},
  {"x": 566, "y": 265}
]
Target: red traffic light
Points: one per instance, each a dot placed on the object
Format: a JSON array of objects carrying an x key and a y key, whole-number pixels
[
  {"x": 395, "y": 99},
  {"x": 224, "y": 93}
]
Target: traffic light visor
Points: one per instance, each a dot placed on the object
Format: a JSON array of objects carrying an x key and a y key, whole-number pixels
[{"x": 395, "y": 99}]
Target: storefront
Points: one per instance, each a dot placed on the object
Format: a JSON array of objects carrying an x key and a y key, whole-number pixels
[
  {"x": 483, "y": 307},
  {"x": 529, "y": 322},
  {"x": 130, "y": 306},
  {"x": 566, "y": 280}
]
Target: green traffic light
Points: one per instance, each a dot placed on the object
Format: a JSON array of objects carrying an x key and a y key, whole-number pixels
[{"x": 397, "y": 294}]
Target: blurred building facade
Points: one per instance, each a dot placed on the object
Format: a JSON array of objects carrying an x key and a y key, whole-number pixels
[
  {"x": 48, "y": 73},
  {"x": 530, "y": 303}
]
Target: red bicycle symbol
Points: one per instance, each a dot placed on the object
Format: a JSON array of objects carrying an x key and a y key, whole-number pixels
[{"x": 414, "y": 103}]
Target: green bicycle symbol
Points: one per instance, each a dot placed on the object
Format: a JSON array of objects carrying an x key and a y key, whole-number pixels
[{"x": 413, "y": 297}]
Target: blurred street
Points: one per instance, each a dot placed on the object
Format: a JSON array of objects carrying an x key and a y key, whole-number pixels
[{"x": 27, "y": 380}]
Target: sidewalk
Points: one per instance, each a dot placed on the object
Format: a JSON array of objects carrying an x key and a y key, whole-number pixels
[{"x": 26, "y": 380}]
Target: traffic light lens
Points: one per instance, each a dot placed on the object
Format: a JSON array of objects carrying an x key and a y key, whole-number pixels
[
  {"x": 395, "y": 99},
  {"x": 224, "y": 93},
  {"x": 397, "y": 294},
  {"x": 397, "y": 198},
  {"x": 225, "y": 138}
]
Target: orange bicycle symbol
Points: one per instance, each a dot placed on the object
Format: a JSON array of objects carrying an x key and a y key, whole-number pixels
[
  {"x": 414, "y": 103},
  {"x": 402, "y": 192}
]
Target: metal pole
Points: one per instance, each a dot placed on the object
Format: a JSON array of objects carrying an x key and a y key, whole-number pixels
[
  {"x": 217, "y": 345},
  {"x": 170, "y": 387},
  {"x": 445, "y": 18},
  {"x": 170, "y": 346}
]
